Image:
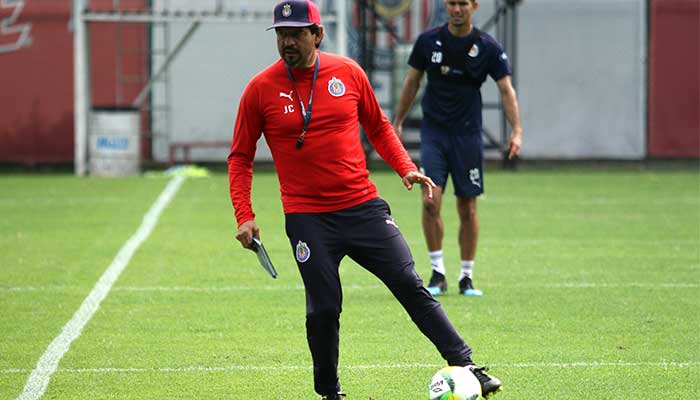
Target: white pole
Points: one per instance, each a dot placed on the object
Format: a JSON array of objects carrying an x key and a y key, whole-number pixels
[
  {"x": 644, "y": 71},
  {"x": 81, "y": 87},
  {"x": 341, "y": 27},
  {"x": 416, "y": 18}
]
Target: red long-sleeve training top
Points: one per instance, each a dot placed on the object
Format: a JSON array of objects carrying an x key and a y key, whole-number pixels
[{"x": 328, "y": 173}]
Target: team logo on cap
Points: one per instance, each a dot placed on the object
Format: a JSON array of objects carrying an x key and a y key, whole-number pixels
[
  {"x": 336, "y": 87},
  {"x": 287, "y": 10},
  {"x": 474, "y": 51},
  {"x": 303, "y": 252}
]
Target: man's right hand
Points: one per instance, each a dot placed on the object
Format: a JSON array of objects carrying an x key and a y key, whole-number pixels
[{"x": 246, "y": 232}]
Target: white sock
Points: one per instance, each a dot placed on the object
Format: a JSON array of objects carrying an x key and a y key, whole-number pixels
[
  {"x": 467, "y": 269},
  {"x": 437, "y": 262}
]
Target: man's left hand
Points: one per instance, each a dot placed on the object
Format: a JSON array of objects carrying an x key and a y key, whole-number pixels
[{"x": 416, "y": 177}]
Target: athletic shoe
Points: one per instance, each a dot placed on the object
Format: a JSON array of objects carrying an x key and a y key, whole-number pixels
[
  {"x": 489, "y": 384},
  {"x": 438, "y": 284},
  {"x": 466, "y": 287},
  {"x": 337, "y": 396}
]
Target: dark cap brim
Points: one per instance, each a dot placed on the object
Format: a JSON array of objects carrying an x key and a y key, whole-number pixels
[{"x": 290, "y": 24}]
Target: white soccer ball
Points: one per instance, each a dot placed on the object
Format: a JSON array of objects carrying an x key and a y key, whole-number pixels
[{"x": 454, "y": 383}]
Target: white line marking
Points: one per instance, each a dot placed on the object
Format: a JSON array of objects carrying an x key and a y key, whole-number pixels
[
  {"x": 600, "y": 364},
  {"x": 234, "y": 368},
  {"x": 39, "y": 379},
  {"x": 601, "y": 243},
  {"x": 562, "y": 285},
  {"x": 586, "y": 285},
  {"x": 215, "y": 289}
]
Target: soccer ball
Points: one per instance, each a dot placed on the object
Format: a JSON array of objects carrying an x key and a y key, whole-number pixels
[{"x": 454, "y": 383}]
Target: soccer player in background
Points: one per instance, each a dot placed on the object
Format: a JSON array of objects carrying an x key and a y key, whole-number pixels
[
  {"x": 456, "y": 57},
  {"x": 308, "y": 105}
]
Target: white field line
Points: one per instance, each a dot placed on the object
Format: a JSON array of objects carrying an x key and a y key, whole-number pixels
[
  {"x": 48, "y": 363},
  {"x": 592, "y": 285},
  {"x": 598, "y": 243},
  {"x": 234, "y": 368},
  {"x": 690, "y": 200},
  {"x": 299, "y": 287},
  {"x": 563, "y": 285}
]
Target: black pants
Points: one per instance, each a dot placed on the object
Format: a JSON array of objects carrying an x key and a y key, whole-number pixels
[{"x": 367, "y": 234}]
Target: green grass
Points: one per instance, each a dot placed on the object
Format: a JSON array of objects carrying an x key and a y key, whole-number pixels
[{"x": 592, "y": 282}]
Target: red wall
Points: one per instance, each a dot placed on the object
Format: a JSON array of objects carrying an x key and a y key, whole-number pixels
[
  {"x": 36, "y": 104},
  {"x": 674, "y": 79},
  {"x": 36, "y": 82}
]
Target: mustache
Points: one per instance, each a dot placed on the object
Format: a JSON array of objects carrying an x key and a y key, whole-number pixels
[{"x": 291, "y": 56}]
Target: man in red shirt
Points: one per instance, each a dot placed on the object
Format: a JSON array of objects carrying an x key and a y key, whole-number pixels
[{"x": 308, "y": 105}]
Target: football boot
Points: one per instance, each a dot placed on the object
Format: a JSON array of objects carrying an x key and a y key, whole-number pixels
[
  {"x": 437, "y": 284},
  {"x": 489, "y": 384},
  {"x": 466, "y": 287},
  {"x": 336, "y": 396}
]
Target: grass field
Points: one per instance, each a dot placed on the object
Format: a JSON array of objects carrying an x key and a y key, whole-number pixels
[{"x": 591, "y": 281}]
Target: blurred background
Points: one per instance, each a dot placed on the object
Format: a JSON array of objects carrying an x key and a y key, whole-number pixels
[{"x": 112, "y": 87}]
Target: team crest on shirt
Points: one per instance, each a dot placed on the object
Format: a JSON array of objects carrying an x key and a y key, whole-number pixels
[
  {"x": 287, "y": 10},
  {"x": 303, "y": 252},
  {"x": 336, "y": 87},
  {"x": 474, "y": 51}
]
